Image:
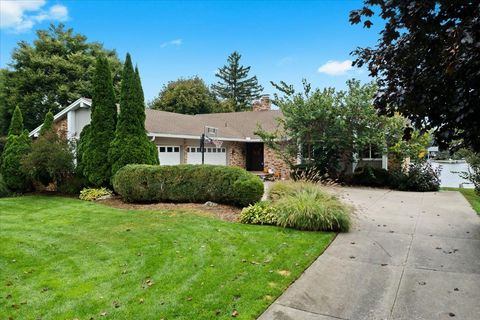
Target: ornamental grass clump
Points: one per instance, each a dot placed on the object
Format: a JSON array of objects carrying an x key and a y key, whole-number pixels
[
  {"x": 311, "y": 209},
  {"x": 299, "y": 205}
]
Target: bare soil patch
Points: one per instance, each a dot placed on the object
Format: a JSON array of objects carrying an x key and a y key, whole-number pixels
[{"x": 221, "y": 211}]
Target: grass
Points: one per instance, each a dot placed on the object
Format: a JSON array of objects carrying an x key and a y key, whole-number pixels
[
  {"x": 65, "y": 258},
  {"x": 470, "y": 195}
]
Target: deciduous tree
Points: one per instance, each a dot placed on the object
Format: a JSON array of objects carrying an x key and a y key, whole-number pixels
[
  {"x": 187, "y": 96},
  {"x": 50, "y": 74},
  {"x": 427, "y": 62}
]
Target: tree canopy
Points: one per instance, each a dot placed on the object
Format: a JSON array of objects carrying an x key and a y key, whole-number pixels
[
  {"x": 95, "y": 165},
  {"x": 427, "y": 62},
  {"x": 50, "y": 74},
  {"x": 187, "y": 96},
  {"x": 235, "y": 84}
]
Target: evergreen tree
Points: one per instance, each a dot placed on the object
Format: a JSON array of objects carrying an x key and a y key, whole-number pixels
[
  {"x": 235, "y": 84},
  {"x": 17, "y": 147},
  {"x": 47, "y": 123},
  {"x": 95, "y": 167},
  {"x": 131, "y": 144},
  {"x": 16, "y": 124}
]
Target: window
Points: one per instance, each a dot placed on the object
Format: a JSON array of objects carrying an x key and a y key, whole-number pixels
[
  {"x": 166, "y": 149},
  {"x": 370, "y": 152}
]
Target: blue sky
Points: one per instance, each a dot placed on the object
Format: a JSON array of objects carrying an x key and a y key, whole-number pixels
[{"x": 280, "y": 40}]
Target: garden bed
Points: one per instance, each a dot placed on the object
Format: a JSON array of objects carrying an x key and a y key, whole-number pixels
[{"x": 221, "y": 211}]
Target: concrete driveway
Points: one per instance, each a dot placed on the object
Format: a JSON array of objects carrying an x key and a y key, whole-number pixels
[{"x": 409, "y": 256}]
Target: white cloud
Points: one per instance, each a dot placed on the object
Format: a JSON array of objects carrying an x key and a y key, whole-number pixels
[
  {"x": 176, "y": 43},
  {"x": 336, "y": 68},
  {"x": 21, "y": 16}
]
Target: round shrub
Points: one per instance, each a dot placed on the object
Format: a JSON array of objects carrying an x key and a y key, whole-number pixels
[
  {"x": 187, "y": 183},
  {"x": 313, "y": 210},
  {"x": 261, "y": 212}
]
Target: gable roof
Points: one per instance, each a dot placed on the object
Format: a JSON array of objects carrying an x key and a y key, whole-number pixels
[
  {"x": 79, "y": 103},
  {"x": 232, "y": 126}
]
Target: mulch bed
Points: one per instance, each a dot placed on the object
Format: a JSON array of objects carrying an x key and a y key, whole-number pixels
[{"x": 221, "y": 211}]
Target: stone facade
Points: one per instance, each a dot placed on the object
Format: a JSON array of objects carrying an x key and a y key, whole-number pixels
[
  {"x": 61, "y": 127},
  {"x": 237, "y": 154},
  {"x": 273, "y": 161}
]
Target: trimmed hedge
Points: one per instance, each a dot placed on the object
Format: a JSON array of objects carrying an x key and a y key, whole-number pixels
[{"x": 187, "y": 183}]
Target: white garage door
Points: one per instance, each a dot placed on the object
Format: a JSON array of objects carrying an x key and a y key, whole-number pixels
[
  {"x": 212, "y": 155},
  {"x": 169, "y": 155}
]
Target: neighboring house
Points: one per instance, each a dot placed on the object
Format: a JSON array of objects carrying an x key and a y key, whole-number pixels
[{"x": 177, "y": 136}]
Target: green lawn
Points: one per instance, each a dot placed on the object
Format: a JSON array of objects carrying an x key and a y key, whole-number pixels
[
  {"x": 63, "y": 258},
  {"x": 470, "y": 195}
]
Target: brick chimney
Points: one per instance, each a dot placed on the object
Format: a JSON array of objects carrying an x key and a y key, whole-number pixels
[{"x": 264, "y": 104}]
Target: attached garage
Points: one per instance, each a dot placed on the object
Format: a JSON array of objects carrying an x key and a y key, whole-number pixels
[
  {"x": 169, "y": 155},
  {"x": 213, "y": 155}
]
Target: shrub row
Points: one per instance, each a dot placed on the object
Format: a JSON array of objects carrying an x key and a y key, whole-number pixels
[
  {"x": 420, "y": 177},
  {"x": 187, "y": 183},
  {"x": 299, "y": 205}
]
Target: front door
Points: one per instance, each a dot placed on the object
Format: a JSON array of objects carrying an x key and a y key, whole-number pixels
[{"x": 255, "y": 156}]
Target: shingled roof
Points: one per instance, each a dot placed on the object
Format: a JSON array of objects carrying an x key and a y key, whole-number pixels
[
  {"x": 231, "y": 126},
  {"x": 234, "y": 126}
]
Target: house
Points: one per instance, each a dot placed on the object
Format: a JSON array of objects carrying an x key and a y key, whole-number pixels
[{"x": 177, "y": 136}]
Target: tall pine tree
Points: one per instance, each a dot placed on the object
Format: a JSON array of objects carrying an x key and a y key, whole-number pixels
[
  {"x": 131, "y": 144},
  {"x": 103, "y": 123},
  {"x": 235, "y": 85}
]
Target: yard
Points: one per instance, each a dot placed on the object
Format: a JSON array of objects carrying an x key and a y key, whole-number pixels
[{"x": 63, "y": 258}]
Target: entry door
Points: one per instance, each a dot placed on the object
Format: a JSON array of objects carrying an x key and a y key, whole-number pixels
[
  {"x": 255, "y": 156},
  {"x": 169, "y": 155}
]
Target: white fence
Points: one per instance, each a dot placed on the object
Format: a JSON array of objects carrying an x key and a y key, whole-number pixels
[{"x": 448, "y": 175}]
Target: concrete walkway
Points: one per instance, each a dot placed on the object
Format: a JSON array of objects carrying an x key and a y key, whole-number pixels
[{"x": 409, "y": 256}]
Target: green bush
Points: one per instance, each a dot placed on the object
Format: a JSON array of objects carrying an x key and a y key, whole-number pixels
[
  {"x": 92, "y": 194},
  {"x": 4, "y": 192},
  {"x": 261, "y": 212},
  {"x": 420, "y": 177},
  {"x": 187, "y": 183},
  {"x": 72, "y": 185},
  {"x": 371, "y": 177},
  {"x": 312, "y": 210},
  {"x": 299, "y": 205},
  {"x": 16, "y": 149}
]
